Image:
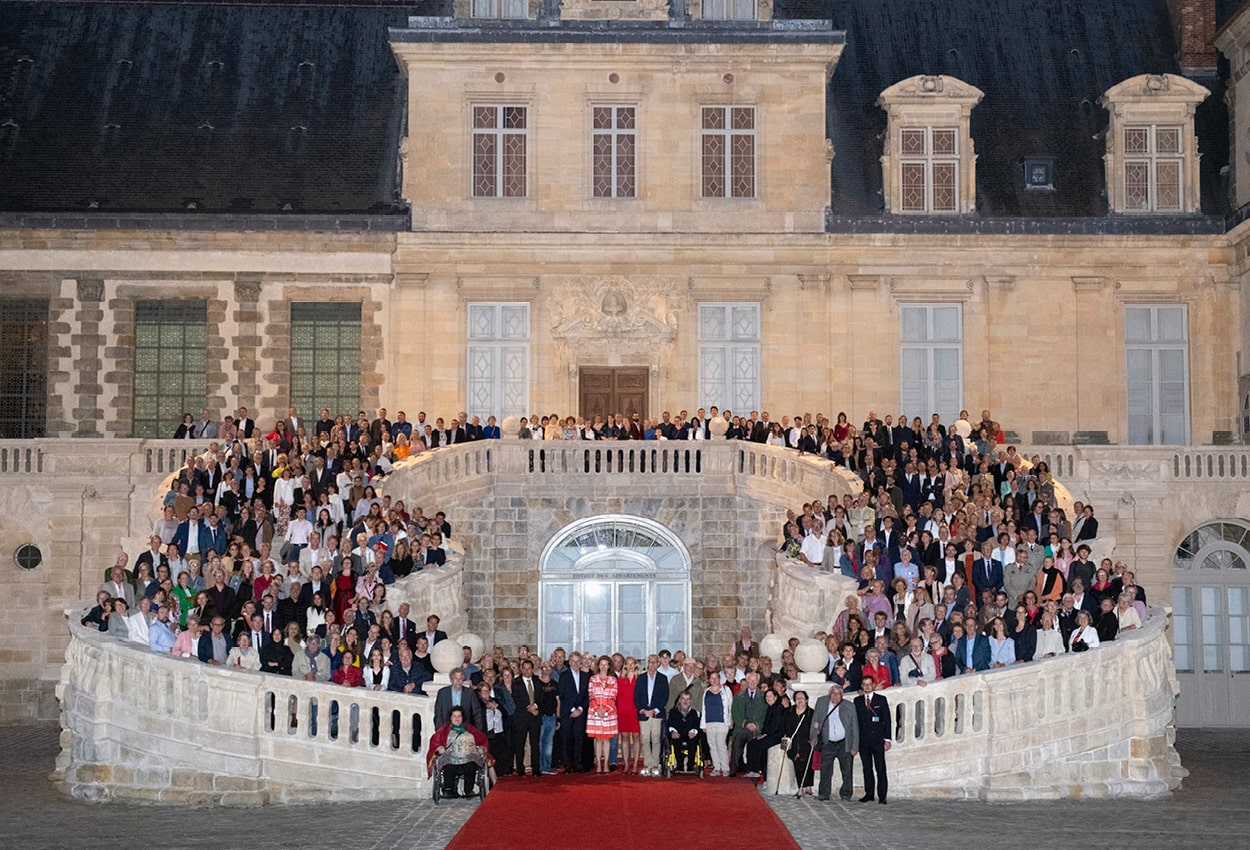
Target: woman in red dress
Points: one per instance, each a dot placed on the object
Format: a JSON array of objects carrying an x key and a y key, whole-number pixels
[
  {"x": 344, "y": 586},
  {"x": 601, "y": 719},
  {"x": 627, "y": 718}
]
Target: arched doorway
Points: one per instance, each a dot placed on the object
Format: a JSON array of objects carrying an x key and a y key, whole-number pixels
[
  {"x": 614, "y": 583},
  {"x": 1211, "y": 624}
]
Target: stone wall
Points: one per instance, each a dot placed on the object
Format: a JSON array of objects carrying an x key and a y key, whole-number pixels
[{"x": 507, "y": 499}]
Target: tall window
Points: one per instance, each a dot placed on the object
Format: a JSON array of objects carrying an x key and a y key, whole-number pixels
[
  {"x": 498, "y": 373},
  {"x": 932, "y": 360},
  {"x": 613, "y": 131},
  {"x": 23, "y": 368},
  {"x": 728, "y": 151},
  {"x": 729, "y": 355},
  {"x": 1157, "y": 341},
  {"x": 500, "y": 9},
  {"x": 499, "y": 149},
  {"x": 728, "y": 10},
  {"x": 325, "y": 357},
  {"x": 929, "y": 164},
  {"x": 1153, "y": 165},
  {"x": 170, "y": 364}
]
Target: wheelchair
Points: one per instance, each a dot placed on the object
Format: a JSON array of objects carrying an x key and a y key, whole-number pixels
[
  {"x": 698, "y": 756},
  {"x": 481, "y": 775}
]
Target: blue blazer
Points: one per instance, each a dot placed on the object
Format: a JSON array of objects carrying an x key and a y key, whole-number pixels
[
  {"x": 979, "y": 580},
  {"x": 209, "y": 539},
  {"x": 659, "y": 695},
  {"x": 980, "y": 653},
  {"x": 574, "y": 691},
  {"x": 181, "y": 535}
]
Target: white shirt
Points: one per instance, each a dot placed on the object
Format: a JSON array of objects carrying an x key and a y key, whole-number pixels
[{"x": 813, "y": 548}]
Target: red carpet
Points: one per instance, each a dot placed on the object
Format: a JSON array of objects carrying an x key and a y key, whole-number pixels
[{"x": 626, "y": 812}]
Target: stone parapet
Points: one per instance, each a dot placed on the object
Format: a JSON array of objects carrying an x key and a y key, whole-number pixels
[{"x": 140, "y": 726}]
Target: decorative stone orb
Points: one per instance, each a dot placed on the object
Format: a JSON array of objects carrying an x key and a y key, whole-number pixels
[
  {"x": 772, "y": 646},
  {"x": 810, "y": 656},
  {"x": 447, "y": 656},
  {"x": 718, "y": 426},
  {"x": 510, "y": 427},
  {"x": 471, "y": 640}
]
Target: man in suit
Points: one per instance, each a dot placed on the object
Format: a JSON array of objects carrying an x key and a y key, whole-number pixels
[
  {"x": 377, "y": 426},
  {"x": 214, "y": 644},
  {"x": 404, "y": 631},
  {"x": 987, "y": 571},
  {"x": 526, "y": 723},
  {"x": 458, "y": 694},
  {"x": 872, "y": 712},
  {"x": 971, "y": 648},
  {"x": 686, "y": 680},
  {"x": 245, "y": 423},
  {"x": 319, "y": 477},
  {"x": 154, "y": 556},
  {"x": 212, "y": 536},
  {"x": 433, "y": 634},
  {"x": 651, "y": 699},
  {"x": 835, "y": 732},
  {"x": 748, "y": 718},
  {"x": 117, "y": 585},
  {"x": 574, "y": 701}
]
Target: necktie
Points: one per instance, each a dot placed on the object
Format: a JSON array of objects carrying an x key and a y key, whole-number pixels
[
  {"x": 529, "y": 686},
  {"x": 268, "y": 627}
]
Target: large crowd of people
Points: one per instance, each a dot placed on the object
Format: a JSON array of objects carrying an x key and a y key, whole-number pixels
[{"x": 274, "y": 553}]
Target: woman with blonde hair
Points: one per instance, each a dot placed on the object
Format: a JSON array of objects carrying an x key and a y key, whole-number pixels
[{"x": 630, "y": 751}]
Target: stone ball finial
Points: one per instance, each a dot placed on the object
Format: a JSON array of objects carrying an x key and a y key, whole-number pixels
[
  {"x": 510, "y": 427},
  {"x": 472, "y": 641},
  {"x": 718, "y": 426},
  {"x": 810, "y": 656},
  {"x": 447, "y": 655},
  {"x": 772, "y": 646}
]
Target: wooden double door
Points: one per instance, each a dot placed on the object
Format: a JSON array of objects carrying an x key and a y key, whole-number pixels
[{"x": 609, "y": 390}]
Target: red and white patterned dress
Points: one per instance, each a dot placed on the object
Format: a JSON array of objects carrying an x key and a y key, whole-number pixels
[{"x": 601, "y": 719}]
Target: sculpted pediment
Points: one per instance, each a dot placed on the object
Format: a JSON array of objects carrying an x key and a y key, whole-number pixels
[{"x": 615, "y": 309}]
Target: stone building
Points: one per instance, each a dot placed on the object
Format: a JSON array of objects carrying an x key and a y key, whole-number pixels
[{"x": 511, "y": 207}]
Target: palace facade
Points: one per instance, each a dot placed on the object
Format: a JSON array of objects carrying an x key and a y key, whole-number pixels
[{"x": 510, "y": 207}]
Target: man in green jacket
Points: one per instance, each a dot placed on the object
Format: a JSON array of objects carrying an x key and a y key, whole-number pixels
[{"x": 748, "y": 718}]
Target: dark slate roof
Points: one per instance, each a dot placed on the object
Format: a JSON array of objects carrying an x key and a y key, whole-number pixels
[
  {"x": 1043, "y": 64},
  {"x": 150, "y": 108}
]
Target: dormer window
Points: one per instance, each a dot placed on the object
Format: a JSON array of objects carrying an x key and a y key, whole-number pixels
[
  {"x": 928, "y": 164},
  {"x": 1152, "y": 157}
]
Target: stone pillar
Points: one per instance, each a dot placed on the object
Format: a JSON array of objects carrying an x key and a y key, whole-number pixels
[
  {"x": 247, "y": 342},
  {"x": 120, "y": 358},
  {"x": 60, "y": 361},
  {"x": 88, "y": 363}
]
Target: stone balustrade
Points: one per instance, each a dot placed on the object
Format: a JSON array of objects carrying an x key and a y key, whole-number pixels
[{"x": 1094, "y": 724}]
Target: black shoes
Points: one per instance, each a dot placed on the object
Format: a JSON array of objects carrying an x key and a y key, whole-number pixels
[{"x": 867, "y": 798}]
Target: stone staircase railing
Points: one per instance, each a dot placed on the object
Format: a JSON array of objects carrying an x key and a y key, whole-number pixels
[
  {"x": 1094, "y": 724},
  {"x": 141, "y": 726}
]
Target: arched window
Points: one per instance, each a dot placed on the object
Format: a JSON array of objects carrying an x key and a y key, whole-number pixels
[
  {"x": 1211, "y": 623},
  {"x": 614, "y": 584}
]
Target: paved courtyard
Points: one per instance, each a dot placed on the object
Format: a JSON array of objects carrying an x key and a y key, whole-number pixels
[{"x": 1212, "y": 810}]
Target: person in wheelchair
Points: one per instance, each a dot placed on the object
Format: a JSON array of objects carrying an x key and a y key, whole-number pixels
[
  {"x": 457, "y": 753},
  {"x": 684, "y": 747}
]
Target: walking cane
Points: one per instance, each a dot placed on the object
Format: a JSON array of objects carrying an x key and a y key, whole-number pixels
[
  {"x": 785, "y": 751},
  {"x": 810, "y": 753}
]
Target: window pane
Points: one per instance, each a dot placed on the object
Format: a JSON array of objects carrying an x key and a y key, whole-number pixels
[
  {"x": 631, "y": 619},
  {"x": 1137, "y": 324},
  {"x": 912, "y": 142},
  {"x": 945, "y": 197},
  {"x": 1137, "y": 185},
  {"x": 944, "y": 142},
  {"x": 946, "y": 324},
  {"x": 742, "y": 163},
  {"x": 1182, "y": 627},
  {"x": 1168, "y": 140},
  {"x": 1136, "y": 140},
  {"x": 597, "y": 617},
  {"x": 1168, "y": 185},
  {"x": 1171, "y": 324},
  {"x": 23, "y": 368},
  {"x": 913, "y": 185},
  {"x": 915, "y": 324},
  {"x": 169, "y": 364},
  {"x": 325, "y": 357},
  {"x": 672, "y": 615}
]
